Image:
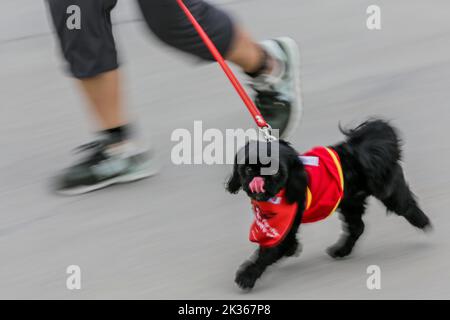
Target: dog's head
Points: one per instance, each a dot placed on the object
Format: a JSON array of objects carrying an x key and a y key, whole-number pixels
[{"x": 262, "y": 169}]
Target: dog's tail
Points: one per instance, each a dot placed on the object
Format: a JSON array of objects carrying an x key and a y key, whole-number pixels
[{"x": 376, "y": 146}]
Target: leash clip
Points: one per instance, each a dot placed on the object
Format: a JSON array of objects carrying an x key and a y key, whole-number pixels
[{"x": 267, "y": 133}]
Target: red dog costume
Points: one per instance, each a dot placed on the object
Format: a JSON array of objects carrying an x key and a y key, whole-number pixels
[{"x": 273, "y": 218}]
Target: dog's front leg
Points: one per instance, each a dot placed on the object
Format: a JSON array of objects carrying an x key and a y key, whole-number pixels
[{"x": 250, "y": 271}]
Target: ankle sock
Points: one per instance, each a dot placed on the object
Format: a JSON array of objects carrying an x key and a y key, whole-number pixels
[
  {"x": 263, "y": 67},
  {"x": 117, "y": 134}
]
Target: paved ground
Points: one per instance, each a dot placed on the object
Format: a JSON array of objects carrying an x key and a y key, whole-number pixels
[{"x": 179, "y": 235}]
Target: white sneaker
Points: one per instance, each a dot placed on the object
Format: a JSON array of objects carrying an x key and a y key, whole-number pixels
[
  {"x": 278, "y": 95},
  {"x": 106, "y": 164}
]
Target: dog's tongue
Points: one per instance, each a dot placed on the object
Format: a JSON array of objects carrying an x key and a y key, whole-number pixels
[{"x": 257, "y": 185}]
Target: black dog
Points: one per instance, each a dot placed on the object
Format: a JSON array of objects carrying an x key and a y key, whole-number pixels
[{"x": 370, "y": 162}]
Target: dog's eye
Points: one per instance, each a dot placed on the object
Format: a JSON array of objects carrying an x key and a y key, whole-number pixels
[{"x": 248, "y": 170}]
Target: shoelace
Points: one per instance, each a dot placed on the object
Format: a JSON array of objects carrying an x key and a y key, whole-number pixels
[
  {"x": 95, "y": 152},
  {"x": 97, "y": 144},
  {"x": 264, "y": 83}
]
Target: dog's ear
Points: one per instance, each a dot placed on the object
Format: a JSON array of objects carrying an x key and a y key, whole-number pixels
[
  {"x": 296, "y": 182},
  {"x": 234, "y": 182}
]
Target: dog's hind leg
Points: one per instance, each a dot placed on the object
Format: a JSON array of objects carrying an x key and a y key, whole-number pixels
[
  {"x": 352, "y": 211},
  {"x": 401, "y": 200}
]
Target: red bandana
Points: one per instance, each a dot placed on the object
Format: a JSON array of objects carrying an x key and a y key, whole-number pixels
[{"x": 274, "y": 218}]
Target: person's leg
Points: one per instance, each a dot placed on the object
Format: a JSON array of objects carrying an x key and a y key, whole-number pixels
[
  {"x": 105, "y": 98},
  {"x": 273, "y": 65},
  {"x": 91, "y": 55},
  {"x": 90, "y": 52},
  {"x": 245, "y": 52}
]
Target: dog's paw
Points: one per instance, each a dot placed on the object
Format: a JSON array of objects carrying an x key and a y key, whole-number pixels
[
  {"x": 428, "y": 228},
  {"x": 294, "y": 251},
  {"x": 339, "y": 251},
  {"x": 247, "y": 276}
]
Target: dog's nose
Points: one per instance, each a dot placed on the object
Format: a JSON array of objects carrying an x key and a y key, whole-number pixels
[{"x": 257, "y": 185}]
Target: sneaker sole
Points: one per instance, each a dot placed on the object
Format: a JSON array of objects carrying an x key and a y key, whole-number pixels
[
  {"x": 126, "y": 178},
  {"x": 293, "y": 54}
]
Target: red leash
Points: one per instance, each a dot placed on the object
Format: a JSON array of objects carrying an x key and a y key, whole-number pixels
[{"x": 262, "y": 124}]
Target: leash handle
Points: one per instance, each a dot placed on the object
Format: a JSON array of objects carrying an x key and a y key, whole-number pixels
[{"x": 261, "y": 123}]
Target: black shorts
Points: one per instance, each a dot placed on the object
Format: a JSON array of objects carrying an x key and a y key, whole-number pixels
[{"x": 85, "y": 32}]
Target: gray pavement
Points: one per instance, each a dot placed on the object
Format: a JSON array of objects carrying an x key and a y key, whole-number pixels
[{"x": 179, "y": 235}]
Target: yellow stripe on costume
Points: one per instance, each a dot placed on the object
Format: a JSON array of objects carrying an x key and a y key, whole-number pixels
[
  {"x": 338, "y": 166},
  {"x": 341, "y": 176},
  {"x": 308, "y": 198},
  {"x": 335, "y": 207}
]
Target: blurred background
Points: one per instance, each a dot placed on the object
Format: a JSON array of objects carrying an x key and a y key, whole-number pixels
[{"x": 179, "y": 235}]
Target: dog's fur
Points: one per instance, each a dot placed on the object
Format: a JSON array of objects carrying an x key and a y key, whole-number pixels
[{"x": 370, "y": 158}]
